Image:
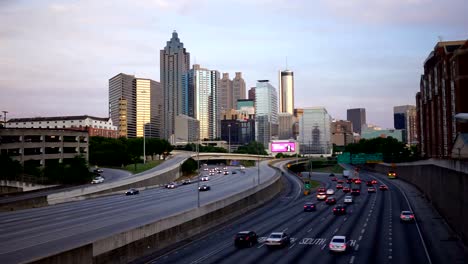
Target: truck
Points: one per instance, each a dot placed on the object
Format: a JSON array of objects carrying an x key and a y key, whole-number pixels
[{"x": 346, "y": 173}]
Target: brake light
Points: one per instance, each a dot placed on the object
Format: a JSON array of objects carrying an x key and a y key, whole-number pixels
[
  {"x": 334, "y": 209},
  {"x": 305, "y": 206},
  {"x": 342, "y": 209},
  {"x": 411, "y": 216}
]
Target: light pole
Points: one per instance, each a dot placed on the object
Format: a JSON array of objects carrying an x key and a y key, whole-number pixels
[
  {"x": 198, "y": 171},
  {"x": 4, "y": 118},
  {"x": 229, "y": 146}
]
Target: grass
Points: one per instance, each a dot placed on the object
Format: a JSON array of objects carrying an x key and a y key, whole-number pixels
[
  {"x": 330, "y": 169},
  {"x": 140, "y": 167}
]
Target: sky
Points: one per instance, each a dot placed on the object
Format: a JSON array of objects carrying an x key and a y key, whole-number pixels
[{"x": 56, "y": 56}]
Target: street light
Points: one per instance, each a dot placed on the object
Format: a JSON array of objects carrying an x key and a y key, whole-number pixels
[
  {"x": 4, "y": 118},
  {"x": 229, "y": 146}
]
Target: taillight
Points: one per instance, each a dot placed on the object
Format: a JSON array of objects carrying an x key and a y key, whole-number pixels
[
  {"x": 411, "y": 216},
  {"x": 334, "y": 209},
  {"x": 305, "y": 206}
]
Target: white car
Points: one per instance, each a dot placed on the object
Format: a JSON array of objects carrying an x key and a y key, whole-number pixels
[
  {"x": 205, "y": 178},
  {"x": 277, "y": 239},
  {"x": 330, "y": 192},
  {"x": 348, "y": 199},
  {"x": 226, "y": 172},
  {"x": 337, "y": 244},
  {"x": 242, "y": 167},
  {"x": 97, "y": 180},
  {"x": 205, "y": 169},
  {"x": 171, "y": 185}
]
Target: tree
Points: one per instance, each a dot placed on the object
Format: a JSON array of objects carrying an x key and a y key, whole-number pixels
[
  {"x": 9, "y": 168},
  {"x": 189, "y": 166},
  {"x": 252, "y": 148}
]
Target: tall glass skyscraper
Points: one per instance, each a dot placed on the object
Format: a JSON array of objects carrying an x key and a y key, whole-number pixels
[
  {"x": 314, "y": 131},
  {"x": 266, "y": 112},
  {"x": 286, "y": 92}
]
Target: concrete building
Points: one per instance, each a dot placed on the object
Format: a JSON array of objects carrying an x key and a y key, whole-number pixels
[
  {"x": 314, "y": 132},
  {"x": 39, "y": 147},
  {"x": 266, "y": 112},
  {"x": 251, "y": 93},
  {"x": 383, "y": 133},
  {"x": 246, "y": 107},
  {"x": 404, "y": 118},
  {"x": 297, "y": 115},
  {"x": 237, "y": 130},
  {"x": 286, "y": 123},
  {"x": 286, "y": 92},
  {"x": 174, "y": 63},
  {"x": 225, "y": 93},
  {"x": 136, "y": 106},
  {"x": 95, "y": 126},
  {"x": 342, "y": 132},
  {"x": 186, "y": 129},
  {"x": 357, "y": 116},
  {"x": 441, "y": 97},
  {"x": 238, "y": 89}
]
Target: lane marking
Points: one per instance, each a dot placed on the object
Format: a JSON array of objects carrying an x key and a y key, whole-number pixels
[
  {"x": 300, "y": 219},
  {"x": 261, "y": 246},
  {"x": 351, "y": 260},
  {"x": 336, "y": 230},
  {"x": 323, "y": 246},
  {"x": 292, "y": 245},
  {"x": 284, "y": 230},
  {"x": 360, "y": 238},
  {"x": 357, "y": 247},
  {"x": 363, "y": 230},
  {"x": 308, "y": 231},
  {"x": 365, "y": 224}
]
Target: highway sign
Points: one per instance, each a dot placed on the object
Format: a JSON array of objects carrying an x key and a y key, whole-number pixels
[{"x": 307, "y": 185}]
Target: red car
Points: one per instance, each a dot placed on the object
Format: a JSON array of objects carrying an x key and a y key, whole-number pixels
[
  {"x": 383, "y": 187},
  {"x": 374, "y": 181},
  {"x": 334, "y": 179},
  {"x": 358, "y": 181},
  {"x": 349, "y": 181},
  {"x": 339, "y": 181},
  {"x": 330, "y": 200},
  {"x": 339, "y": 186},
  {"x": 355, "y": 192},
  {"x": 321, "y": 189},
  {"x": 346, "y": 189}
]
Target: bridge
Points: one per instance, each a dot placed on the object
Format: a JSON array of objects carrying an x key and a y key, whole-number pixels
[{"x": 224, "y": 156}]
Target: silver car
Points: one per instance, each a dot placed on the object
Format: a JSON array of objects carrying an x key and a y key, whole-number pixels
[{"x": 277, "y": 239}]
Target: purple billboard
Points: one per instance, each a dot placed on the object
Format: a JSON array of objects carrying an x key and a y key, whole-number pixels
[{"x": 283, "y": 147}]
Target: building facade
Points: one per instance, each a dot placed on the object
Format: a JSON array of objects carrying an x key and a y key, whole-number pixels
[
  {"x": 266, "y": 112},
  {"x": 442, "y": 95},
  {"x": 225, "y": 92},
  {"x": 186, "y": 129},
  {"x": 383, "y": 133},
  {"x": 251, "y": 94},
  {"x": 95, "y": 126},
  {"x": 122, "y": 102},
  {"x": 285, "y": 126},
  {"x": 404, "y": 118},
  {"x": 174, "y": 63},
  {"x": 357, "y": 116},
  {"x": 314, "y": 131},
  {"x": 342, "y": 133},
  {"x": 286, "y": 92},
  {"x": 40, "y": 147},
  {"x": 238, "y": 88}
]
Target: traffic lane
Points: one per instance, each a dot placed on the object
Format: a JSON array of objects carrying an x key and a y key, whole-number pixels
[{"x": 111, "y": 175}]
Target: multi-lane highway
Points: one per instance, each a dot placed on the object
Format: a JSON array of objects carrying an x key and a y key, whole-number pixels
[
  {"x": 372, "y": 226},
  {"x": 29, "y": 234}
]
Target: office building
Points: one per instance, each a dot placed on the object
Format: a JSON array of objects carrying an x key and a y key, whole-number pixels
[
  {"x": 266, "y": 112},
  {"x": 342, "y": 133},
  {"x": 225, "y": 93},
  {"x": 95, "y": 126},
  {"x": 246, "y": 107},
  {"x": 135, "y": 106},
  {"x": 314, "y": 131},
  {"x": 237, "y": 128},
  {"x": 441, "y": 97},
  {"x": 297, "y": 115},
  {"x": 357, "y": 116},
  {"x": 383, "y": 133},
  {"x": 251, "y": 94},
  {"x": 174, "y": 63},
  {"x": 404, "y": 118},
  {"x": 286, "y": 92},
  {"x": 286, "y": 123},
  {"x": 186, "y": 129},
  {"x": 238, "y": 89}
]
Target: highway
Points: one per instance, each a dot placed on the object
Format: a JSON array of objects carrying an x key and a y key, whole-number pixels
[
  {"x": 371, "y": 224},
  {"x": 29, "y": 234}
]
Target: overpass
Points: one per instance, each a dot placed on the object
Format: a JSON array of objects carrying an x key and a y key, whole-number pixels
[{"x": 229, "y": 156}]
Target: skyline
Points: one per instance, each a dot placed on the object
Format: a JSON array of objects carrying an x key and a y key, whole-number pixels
[{"x": 58, "y": 56}]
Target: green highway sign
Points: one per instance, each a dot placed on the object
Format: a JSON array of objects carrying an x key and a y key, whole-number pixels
[
  {"x": 307, "y": 185},
  {"x": 360, "y": 158}
]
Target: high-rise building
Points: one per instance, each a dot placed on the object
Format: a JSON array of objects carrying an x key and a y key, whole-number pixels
[
  {"x": 225, "y": 93},
  {"x": 206, "y": 101},
  {"x": 404, "y": 118},
  {"x": 286, "y": 92},
  {"x": 297, "y": 115},
  {"x": 314, "y": 131},
  {"x": 246, "y": 107},
  {"x": 186, "y": 129},
  {"x": 135, "y": 106},
  {"x": 238, "y": 88},
  {"x": 442, "y": 95},
  {"x": 342, "y": 132},
  {"x": 266, "y": 112},
  {"x": 357, "y": 116},
  {"x": 237, "y": 128},
  {"x": 174, "y": 63},
  {"x": 285, "y": 126},
  {"x": 252, "y": 93}
]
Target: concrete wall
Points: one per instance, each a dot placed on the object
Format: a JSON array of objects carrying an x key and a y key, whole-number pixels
[
  {"x": 24, "y": 204},
  {"x": 24, "y": 186},
  {"x": 10, "y": 189},
  {"x": 445, "y": 188},
  {"x": 143, "y": 240}
]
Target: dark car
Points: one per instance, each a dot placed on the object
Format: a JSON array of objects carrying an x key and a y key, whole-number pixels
[
  {"x": 332, "y": 175},
  {"x": 334, "y": 179},
  {"x": 383, "y": 187},
  {"x": 309, "y": 207},
  {"x": 98, "y": 171},
  {"x": 339, "y": 186},
  {"x": 346, "y": 189},
  {"x": 132, "y": 192},
  {"x": 330, "y": 200},
  {"x": 245, "y": 239},
  {"x": 355, "y": 191},
  {"x": 349, "y": 181},
  {"x": 371, "y": 189},
  {"x": 369, "y": 183},
  {"x": 234, "y": 172},
  {"x": 204, "y": 188},
  {"x": 321, "y": 189},
  {"x": 339, "y": 210},
  {"x": 185, "y": 182},
  {"x": 340, "y": 181}
]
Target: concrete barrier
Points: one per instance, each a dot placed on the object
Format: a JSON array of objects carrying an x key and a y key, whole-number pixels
[
  {"x": 24, "y": 204},
  {"x": 143, "y": 240}
]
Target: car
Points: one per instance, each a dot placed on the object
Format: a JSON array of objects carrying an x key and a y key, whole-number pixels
[
  {"x": 132, "y": 191},
  {"x": 226, "y": 172},
  {"x": 374, "y": 181},
  {"x": 277, "y": 239},
  {"x": 346, "y": 189},
  {"x": 339, "y": 186},
  {"x": 334, "y": 179},
  {"x": 187, "y": 181},
  {"x": 371, "y": 189},
  {"x": 355, "y": 192},
  {"x": 348, "y": 199},
  {"x": 309, "y": 206},
  {"x": 204, "y": 188},
  {"x": 97, "y": 180},
  {"x": 98, "y": 171},
  {"x": 321, "y": 189},
  {"x": 242, "y": 167},
  {"x": 332, "y": 175},
  {"x": 340, "y": 181},
  {"x": 321, "y": 196},
  {"x": 339, "y": 210},
  {"x": 337, "y": 244},
  {"x": 391, "y": 174},
  {"x": 406, "y": 216},
  {"x": 205, "y": 169},
  {"x": 205, "y": 178},
  {"x": 245, "y": 239},
  {"x": 330, "y": 192},
  {"x": 225, "y": 168},
  {"x": 233, "y": 172},
  {"x": 211, "y": 173},
  {"x": 349, "y": 181},
  {"x": 219, "y": 172},
  {"x": 383, "y": 187},
  {"x": 330, "y": 200},
  {"x": 357, "y": 181},
  {"x": 369, "y": 183},
  {"x": 171, "y": 185}
]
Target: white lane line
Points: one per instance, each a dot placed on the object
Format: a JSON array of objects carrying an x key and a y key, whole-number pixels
[
  {"x": 365, "y": 224},
  {"x": 284, "y": 230},
  {"x": 323, "y": 246},
  {"x": 390, "y": 250},
  {"x": 360, "y": 238},
  {"x": 261, "y": 245},
  {"x": 390, "y": 244},
  {"x": 351, "y": 261},
  {"x": 363, "y": 230},
  {"x": 300, "y": 219},
  {"x": 356, "y": 247},
  {"x": 336, "y": 230},
  {"x": 390, "y": 257},
  {"x": 308, "y": 231},
  {"x": 292, "y": 245}
]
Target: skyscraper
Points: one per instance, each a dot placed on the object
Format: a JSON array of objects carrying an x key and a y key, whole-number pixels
[
  {"x": 174, "y": 62},
  {"x": 357, "y": 116},
  {"x": 266, "y": 112},
  {"x": 314, "y": 131},
  {"x": 135, "y": 105},
  {"x": 225, "y": 92},
  {"x": 251, "y": 93},
  {"x": 404, "y": 117},
  {"x": 238, "y": 89},
  {"x": 286, "y": 92}
]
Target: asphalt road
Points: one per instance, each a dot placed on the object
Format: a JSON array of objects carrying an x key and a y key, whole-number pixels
[
  {"x": 371, "y": 224},
  {"x": 28, "y": 234}
]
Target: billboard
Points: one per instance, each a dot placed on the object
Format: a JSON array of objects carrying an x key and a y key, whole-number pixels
[{"x": 283, "y": 146}]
